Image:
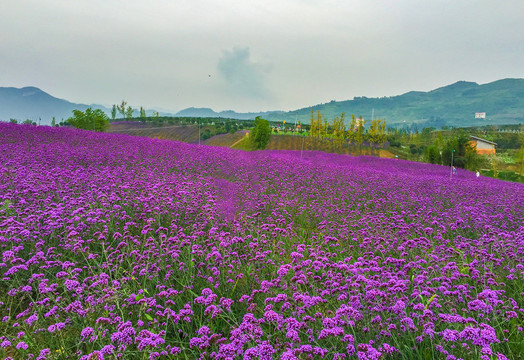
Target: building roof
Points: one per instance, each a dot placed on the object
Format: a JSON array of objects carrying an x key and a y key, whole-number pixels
[{"x": 483, "y": 140}]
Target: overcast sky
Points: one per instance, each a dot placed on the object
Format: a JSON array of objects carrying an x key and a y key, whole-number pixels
[{"x": 249, "y": 55}]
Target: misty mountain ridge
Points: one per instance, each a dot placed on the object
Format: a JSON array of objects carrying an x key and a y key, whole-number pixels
[
  {"x": 451, "y": 105},
  {"x": 230, "y": 114},
  {"x": 32, "y": 103}
]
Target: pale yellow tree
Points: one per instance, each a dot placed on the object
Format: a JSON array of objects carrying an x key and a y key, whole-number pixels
[
  {"x": 377, "y": 132},
  {"x": 350, "y": 134},
  {"x": 317, "y": 127},
  {"x": 359, "y": 133},
  {"x": 338, "y": 130}
]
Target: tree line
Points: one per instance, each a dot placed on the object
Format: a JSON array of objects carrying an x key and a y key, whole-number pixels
[
  {"x": 340, "y": 131},
  {"x": 125, "y": 110}
]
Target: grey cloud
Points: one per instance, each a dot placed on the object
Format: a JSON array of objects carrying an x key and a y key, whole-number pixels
[
  {"x": 156, "y": 54},
  {"x": 243, "y": 76}
]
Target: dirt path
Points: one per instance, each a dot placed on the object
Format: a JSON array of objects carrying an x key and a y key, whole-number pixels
[{"x": 236, "y": 142}]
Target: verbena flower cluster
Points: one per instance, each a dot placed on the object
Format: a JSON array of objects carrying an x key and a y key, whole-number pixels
[{"x": 122, "y": 247}]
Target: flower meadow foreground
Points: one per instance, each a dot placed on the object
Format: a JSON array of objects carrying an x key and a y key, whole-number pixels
[{"x": 119, "y": 247}]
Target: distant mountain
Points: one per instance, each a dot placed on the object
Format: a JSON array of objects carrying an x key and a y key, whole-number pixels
[
  {"x": 35, "y": 104},
  {"x": 452, "y": 105},
  {"x": 229, "y": 114},
  {"x": 197, "y": 112}
]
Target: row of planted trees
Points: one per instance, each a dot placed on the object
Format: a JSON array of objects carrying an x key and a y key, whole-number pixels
[
  {"x": 355, "y": 133},
  {"x": 127, "y": 111}
]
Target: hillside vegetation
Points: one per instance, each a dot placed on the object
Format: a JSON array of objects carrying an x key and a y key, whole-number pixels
[{"x": 453, "y": 105}]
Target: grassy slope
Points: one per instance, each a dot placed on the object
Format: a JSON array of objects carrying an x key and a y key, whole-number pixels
[
  {"x": 226, "y": 140},
  {"x": 187, "y": 134}
]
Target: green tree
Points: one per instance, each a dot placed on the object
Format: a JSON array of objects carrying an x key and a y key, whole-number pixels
[
  {"x": 113, "y": 112},
  {"x": 439, "y": 142},
  {"x": 259, "y": 136},
  {"x": 520, "y": 159},
  {"x": 142, "y": 112},
  {"x": 91, "y": 119},
  {"x": 472, "y": 160},
  {"x": 465, "y": 155},
  {"x": 426, "y": 133},
  {"x": 53, "y": 121},
  {"x": 122, "y": 108},
  {"x": 432, "y": 154},
  {"x": 13, "y": 121},
  {"x": 206, "y": 134},
  {"x": 129, "y": 112}
]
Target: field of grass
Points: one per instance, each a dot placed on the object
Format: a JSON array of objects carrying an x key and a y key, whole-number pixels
[
  {"x": 184, "y": 133},
  {"x": 122, "y": 247},
  {"x": 226, "y": 140}
]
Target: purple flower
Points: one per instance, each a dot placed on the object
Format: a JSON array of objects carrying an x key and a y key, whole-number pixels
[
  {"x": 87, "y": 332},
  {"x": 31, "y": 319},
  {"x": 22, "y": 345},
  {"x": 450, "y": 335},
  {"x": 108, "y": 349},
  {"x": 204, "y": 330},
  {"x": 146, "y": 243}
]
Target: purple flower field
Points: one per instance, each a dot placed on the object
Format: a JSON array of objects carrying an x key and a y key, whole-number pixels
[{"x": 122, "y": 247}]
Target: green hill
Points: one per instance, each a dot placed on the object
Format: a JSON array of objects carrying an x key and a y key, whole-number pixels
[{"x": 452, "y": 105}]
